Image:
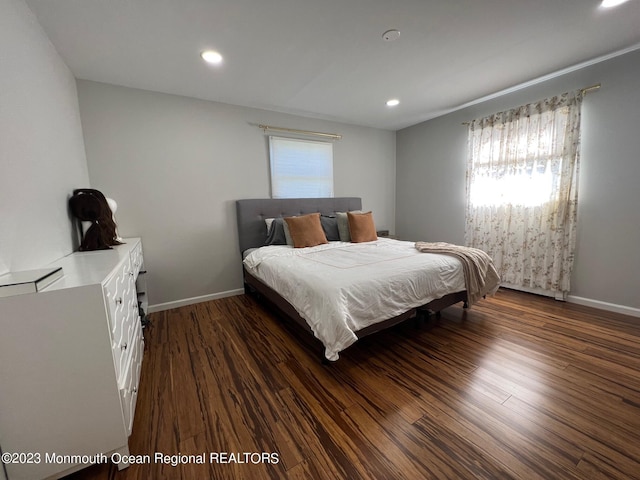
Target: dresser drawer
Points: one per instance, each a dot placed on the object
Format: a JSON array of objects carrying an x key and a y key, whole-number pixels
[
  {"x": 129, "y": 388},
  {"x": 117, "y": 296},
  {"x": 132, "y": 331},
  {"x": 122, "y": 301}
]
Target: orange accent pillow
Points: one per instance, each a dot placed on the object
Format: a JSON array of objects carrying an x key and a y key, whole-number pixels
[
  {"x": 306, "y": 230},
  {"x": 361, "y": 227}
]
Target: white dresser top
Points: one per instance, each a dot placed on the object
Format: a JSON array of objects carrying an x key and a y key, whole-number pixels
[{"x": 91, "y": 267}]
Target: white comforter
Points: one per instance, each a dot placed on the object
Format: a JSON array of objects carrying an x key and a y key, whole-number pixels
[{"x": 340, "y": 288}]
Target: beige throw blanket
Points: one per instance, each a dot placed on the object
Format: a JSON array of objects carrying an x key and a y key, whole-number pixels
[{"x": 480, "y": 275}]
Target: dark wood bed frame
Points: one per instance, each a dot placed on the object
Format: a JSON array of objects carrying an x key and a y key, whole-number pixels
[{"x": 252, "y": 233}]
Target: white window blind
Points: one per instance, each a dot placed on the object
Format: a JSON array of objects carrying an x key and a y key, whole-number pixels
[{"x": 300, "y": 168}]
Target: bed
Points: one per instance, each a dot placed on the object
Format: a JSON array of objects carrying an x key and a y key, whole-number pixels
[{"x": 340, "y": 292}]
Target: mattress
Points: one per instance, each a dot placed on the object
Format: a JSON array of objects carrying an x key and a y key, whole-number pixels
[{"x": 340, "y": 287}]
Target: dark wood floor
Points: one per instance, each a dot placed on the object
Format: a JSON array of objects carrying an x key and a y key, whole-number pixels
[{"x": 519, "y": 386}]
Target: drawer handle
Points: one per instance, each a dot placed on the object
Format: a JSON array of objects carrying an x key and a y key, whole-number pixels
[
  {"x": 124, "y": 347},
  {"x": 119, "y": 301},
  {"x": 135, "y": 390}
]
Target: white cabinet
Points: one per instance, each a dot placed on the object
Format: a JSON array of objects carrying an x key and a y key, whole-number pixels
[{"x": 70, "y": 359}]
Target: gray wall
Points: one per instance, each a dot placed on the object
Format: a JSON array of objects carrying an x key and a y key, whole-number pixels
[
  {"x": 175, "y": 165},
  {"x": 41, "y": 148},
  {"x": 431, "y": 162}
]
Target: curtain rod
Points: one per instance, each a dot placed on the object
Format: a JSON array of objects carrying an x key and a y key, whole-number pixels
[
  {"x": 583, "y": 92},
  {"x": 335, "y": 136},
  {"x": 592, "y": 88}
]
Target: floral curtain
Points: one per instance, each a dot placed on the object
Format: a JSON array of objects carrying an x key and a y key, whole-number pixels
[{"x": 522, "y": 192}]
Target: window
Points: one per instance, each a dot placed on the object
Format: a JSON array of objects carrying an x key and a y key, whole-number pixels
[
  {"x": 518, "y": 162},
  {"x": 300, "y": 168}
]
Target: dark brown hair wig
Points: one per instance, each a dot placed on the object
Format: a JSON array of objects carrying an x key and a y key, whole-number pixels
[{"x": 89, "y": 205}]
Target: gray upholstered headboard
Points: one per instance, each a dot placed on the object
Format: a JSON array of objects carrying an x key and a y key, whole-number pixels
[{"x": 252, "y": 231}]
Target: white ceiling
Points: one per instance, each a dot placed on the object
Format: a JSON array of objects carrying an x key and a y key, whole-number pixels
[{"x": 327, "y": 58}]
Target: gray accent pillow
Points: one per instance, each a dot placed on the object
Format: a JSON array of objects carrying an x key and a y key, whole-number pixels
[
  {"x": 276, "y": 235},
  {"x": 330, "y": 226}
]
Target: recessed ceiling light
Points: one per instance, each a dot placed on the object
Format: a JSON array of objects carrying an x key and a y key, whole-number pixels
[
  {"x": 612, "y": 3},
  {"x": 211, "y": 56},
  {"x": 393, "y": 102}
]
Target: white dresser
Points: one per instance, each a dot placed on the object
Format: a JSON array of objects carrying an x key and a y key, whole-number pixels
[{"x": 70, "y": 359}]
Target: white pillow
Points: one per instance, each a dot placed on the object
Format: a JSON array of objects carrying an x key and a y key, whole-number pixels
[
  {"x": 268, "y": 222},
  {"x": 287, "y": 233},
  {"x": 343, "y": 225}
]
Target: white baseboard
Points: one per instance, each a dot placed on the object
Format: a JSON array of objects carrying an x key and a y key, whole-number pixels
[
  {"x": 190, "y": 301},
  {"x": 610, "y": 307},
  {"x": 587, "y": 302},
  {"x": 536, "y": 291}
]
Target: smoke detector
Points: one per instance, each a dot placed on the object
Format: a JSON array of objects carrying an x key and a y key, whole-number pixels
[{"x": 391, "y": 35}]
